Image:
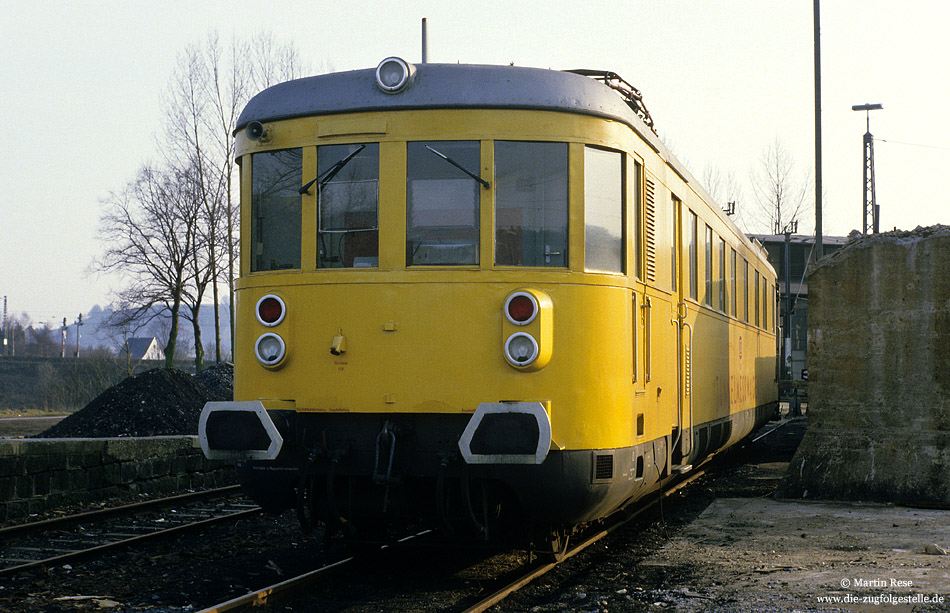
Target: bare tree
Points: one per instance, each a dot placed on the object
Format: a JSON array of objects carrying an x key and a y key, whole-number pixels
[
  {"x": 29, "y": 339},
  {"x": 201, "y": 267},
  {"x": 43, "y": 342},
  {"x": 16, "y": 332},
  {"x": 272, "y": 62},
  {"x": 189, "y": 146},
  {"x": 121, "y": 329},
  {"x": 727, "y": 192},
  {"x": 148, "y": 229},
  {"x": 173, "y": 230},
  {"x": 210, "y": 86},
  {"x": 780, "y": 196},
  {"x": 228, "y": 90}
]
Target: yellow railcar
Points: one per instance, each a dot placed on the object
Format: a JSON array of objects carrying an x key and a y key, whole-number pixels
[{"x": 480, "y": 297}]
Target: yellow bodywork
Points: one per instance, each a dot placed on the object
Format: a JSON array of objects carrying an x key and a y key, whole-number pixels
[{"x": 615, "y": 347}]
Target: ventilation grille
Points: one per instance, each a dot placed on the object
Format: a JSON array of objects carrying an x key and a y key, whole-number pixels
[
  {"x": 603, "y": 467},
  {"x": 651, "y": 229}
]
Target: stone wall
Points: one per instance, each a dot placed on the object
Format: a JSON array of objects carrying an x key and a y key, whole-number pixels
[
  {"x": 879, "y": 376},
  {"x": 42, "y": 474}
]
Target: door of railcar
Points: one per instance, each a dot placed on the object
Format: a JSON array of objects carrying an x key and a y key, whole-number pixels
[{"x": 685, "y": 237}]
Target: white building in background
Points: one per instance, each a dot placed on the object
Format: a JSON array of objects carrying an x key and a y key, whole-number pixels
[{"x": 145, "y": 348}]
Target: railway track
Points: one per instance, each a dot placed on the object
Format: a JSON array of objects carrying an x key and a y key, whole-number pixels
[
  {"x": 293, "y": 585},
  {"x": 528, "y": 573},
  {"x": 618, "y": 520},
  {"x": 74, "y": 537},
  {"x": 534, "y": 569},
  {"x": 265, "y": 550}
]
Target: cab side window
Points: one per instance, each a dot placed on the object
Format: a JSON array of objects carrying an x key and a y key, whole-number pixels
[
  {"x": 530, "y": 204},
  {"x": 276, "y": 210}
]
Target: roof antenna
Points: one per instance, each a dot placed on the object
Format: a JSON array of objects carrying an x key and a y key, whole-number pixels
[{"x": 425, "y": 42}]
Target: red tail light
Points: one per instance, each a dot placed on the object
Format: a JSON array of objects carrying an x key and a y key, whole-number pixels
[
  {"x": 270, "y": 310},
  {"x": 521, "y": 308}
]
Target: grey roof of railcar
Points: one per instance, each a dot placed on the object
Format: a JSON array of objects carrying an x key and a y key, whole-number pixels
[
  {"x": 463, "y": 86},
  {"x": 444, "y": 86}
]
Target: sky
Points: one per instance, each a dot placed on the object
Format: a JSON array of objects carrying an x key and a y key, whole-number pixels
[{"x": 723, "y": 80}]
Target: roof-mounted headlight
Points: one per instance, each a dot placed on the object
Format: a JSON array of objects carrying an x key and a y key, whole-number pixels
[{"x": 394, "y": 74}]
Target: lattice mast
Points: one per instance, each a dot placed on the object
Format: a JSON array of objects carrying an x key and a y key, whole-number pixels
[{"x": 870, "y": 207}]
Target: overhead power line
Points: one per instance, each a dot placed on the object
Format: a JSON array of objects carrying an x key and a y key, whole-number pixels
[{"x": 897, "y": 142}]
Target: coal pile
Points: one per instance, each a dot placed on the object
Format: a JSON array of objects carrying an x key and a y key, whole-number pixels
[
  {"x": 159, "y": 402},
  {"x": 219, "y": 380}
]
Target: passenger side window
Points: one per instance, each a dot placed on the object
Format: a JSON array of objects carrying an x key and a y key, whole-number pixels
[
  {"x": 693, "y": 256},
  {"x": 722, "y": 275},
  {"x": 708, "y": 296},
  {"x": 757, "y": 320},
  {"x": 530, "y": 204},
  {"x": 674, "y": 240},
  {"x": 644, "y": 228},
  {"x": 276, "y": 210},
  {"x": 734, "y": 283},
  {"x": 745, "y": 291},
  {"x": 442, "y": 203},
  {"x": 347, "y": 211},
  {"x": 603, "y": 210}
]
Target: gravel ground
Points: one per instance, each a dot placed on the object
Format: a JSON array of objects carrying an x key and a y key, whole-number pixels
[
  {"x": 628, "y": 571},
  {"x": 19, "y": 427},
  {"x": 726, "y": 545},
  {"x": 672, "y": 559},
  {"x": 811, "y": 555},
  {"x": 190, "y": 572}
]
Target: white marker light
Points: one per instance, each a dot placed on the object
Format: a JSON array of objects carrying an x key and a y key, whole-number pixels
[
  {"x": 521, "y": 349},
  {"x": 270, "y": 349}
]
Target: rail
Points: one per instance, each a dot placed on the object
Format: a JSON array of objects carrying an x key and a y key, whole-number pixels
[
  {"x": 620, "y": 519},
  {"x": 291, "y": 586},
  {"x": 29, "y": 546}
]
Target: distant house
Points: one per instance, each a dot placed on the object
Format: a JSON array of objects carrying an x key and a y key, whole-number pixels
[{"x": 145, "y": 348}]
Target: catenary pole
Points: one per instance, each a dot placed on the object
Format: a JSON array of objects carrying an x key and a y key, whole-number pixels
[{"x": 819, "y": 248}]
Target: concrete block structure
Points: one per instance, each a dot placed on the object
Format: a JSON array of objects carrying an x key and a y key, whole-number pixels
[{"x": 879, "y": 376}]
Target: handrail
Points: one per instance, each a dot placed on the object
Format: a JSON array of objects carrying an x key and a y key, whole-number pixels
[{"x": 647, "y": 337}]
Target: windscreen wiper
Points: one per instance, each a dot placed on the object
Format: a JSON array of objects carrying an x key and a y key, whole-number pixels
[
  {"x": 331, "y": 172},
  {"x": 459, "y": 166}
]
